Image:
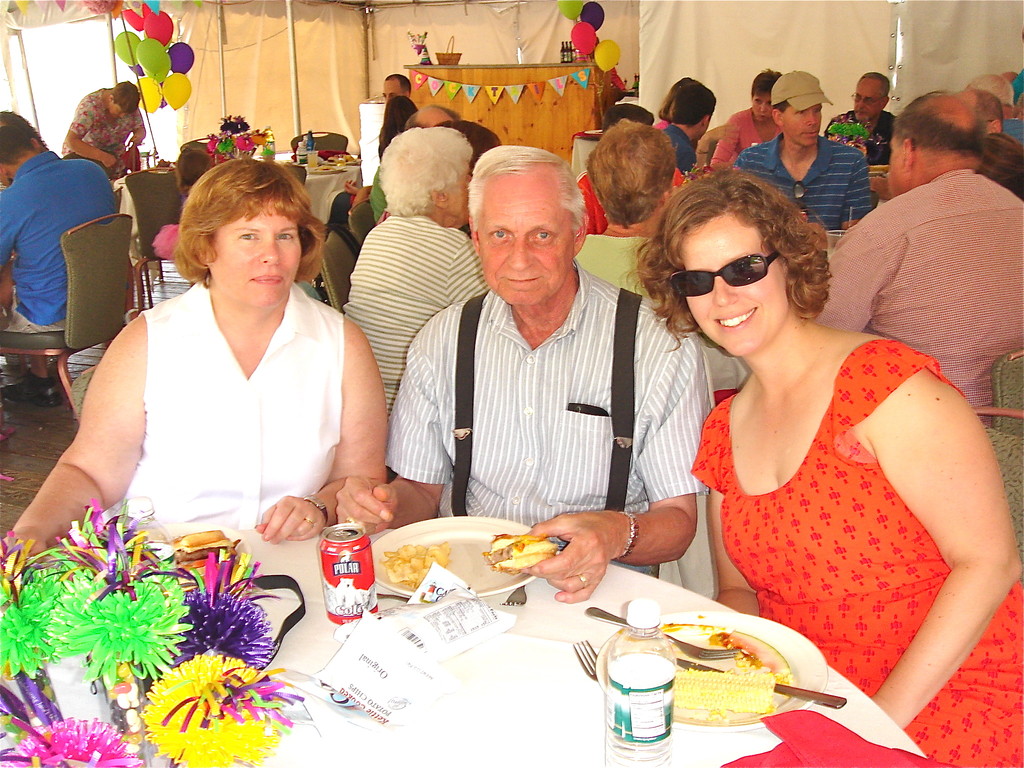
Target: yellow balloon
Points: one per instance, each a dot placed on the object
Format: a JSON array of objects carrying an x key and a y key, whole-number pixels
[
  {"x": 177, "y": 89},
  {"x": 606, "y": 54},
  {"x": 149, "y": 91}
]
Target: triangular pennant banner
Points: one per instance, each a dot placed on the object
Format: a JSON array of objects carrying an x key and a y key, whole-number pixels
[
  {"x": 558, "y": 83},
  {"x": 537, "y": 89},
  {"x": 61, "y": 4},
  {"x": 494, "y": 92},
  {"x": 451, "y": 89},
  {"x": 22, "y": 5},
  {"x": 470, "y": 92},
  {"x": 581, "y": 76},
  {"x": 418, "y": 78},
  {"x": 435, "y": 85},
  {"x": 515, "y": 91}
]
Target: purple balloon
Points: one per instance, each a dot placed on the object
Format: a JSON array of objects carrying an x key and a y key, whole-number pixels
[
  {"x": 182, "y": 57},
  {"x": 137, "y": 69},
  {"x": 593, "y": 14}
]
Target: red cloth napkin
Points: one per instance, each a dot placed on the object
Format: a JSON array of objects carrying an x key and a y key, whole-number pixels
[{"x": 811, "y": 740}]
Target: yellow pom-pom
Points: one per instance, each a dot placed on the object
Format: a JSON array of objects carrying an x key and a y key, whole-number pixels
[{"x": 187, "y": 721}]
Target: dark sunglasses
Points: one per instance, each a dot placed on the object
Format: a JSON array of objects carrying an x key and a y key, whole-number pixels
[{"x": 743, "y": 271}]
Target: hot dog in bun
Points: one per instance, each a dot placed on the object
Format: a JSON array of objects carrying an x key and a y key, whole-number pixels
[{"x": 510, "y": 554}]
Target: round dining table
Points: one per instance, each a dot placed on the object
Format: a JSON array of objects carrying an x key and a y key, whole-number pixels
[{"x": 524, "y": 698}]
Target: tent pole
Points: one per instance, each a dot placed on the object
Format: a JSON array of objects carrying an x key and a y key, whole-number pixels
[
  {"x": 296, "y": 110},
  {"x": 220, "y": 50},
  {"x": 28, "y": 78},
  {"x": 110, "y": 39},
  {"x": 367, "y": 37}
]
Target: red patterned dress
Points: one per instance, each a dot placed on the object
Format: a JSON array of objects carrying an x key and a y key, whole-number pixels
[{"x": 836, "y": 555}]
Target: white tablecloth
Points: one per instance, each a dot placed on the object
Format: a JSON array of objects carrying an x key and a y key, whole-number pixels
[
  {"x": 324, "y": 186},
  {"x": 523, "y": 685}
]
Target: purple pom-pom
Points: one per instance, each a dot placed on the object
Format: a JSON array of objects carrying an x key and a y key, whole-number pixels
[{"x": 232, "y": 626}]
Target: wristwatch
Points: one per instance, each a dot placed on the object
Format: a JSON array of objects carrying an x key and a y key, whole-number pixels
[{"x": 315, "y": 501}]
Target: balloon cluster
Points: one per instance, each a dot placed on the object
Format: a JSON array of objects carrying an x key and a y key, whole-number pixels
[
  {"x": 160, "y": 64},
  {"x": 589, "y": 17}
]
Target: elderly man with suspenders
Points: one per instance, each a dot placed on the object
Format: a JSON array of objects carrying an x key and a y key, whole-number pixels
[{"x": 555, "y": 399}]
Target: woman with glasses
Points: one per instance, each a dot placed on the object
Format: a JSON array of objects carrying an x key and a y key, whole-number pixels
[{"x": 854, "y": 494}]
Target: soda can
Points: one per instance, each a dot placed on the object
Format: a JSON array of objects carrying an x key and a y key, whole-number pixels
[{"x": 346, "y": 563}]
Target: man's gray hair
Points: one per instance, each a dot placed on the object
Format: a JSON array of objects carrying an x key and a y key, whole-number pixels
[
  {"x": 415, "y": 117},
  {"x": 512, "y": 160},
  {"x": 997, "y": 85},
  {"x": 420, "y": 161},
  {"x": 882, "y": 80}
]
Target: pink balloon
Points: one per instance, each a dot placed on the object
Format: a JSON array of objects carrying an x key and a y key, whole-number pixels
[
  {"x": 159, "y": 27},
  {"x": 133, "y": 19},
  {"x": 593, "y": 14},
  {"x": 584, "y": 38}
]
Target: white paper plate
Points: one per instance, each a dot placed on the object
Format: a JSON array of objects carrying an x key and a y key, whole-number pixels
[
  {"x": 805, "y": 661},
  {"x": 469, "y": 538}
]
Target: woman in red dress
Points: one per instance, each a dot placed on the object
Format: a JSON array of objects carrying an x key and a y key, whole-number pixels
[{"x": 854, "y": 494}]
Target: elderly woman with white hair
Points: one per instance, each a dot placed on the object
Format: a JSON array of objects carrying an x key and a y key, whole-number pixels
[{"x": 417, "y": 261}]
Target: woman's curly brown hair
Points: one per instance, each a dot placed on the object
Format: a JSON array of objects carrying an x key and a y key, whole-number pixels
[{"x": 782, "y": 226}]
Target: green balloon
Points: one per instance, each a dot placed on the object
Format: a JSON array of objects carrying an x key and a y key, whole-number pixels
[
  {"x": 125, "y": 46},
  {"x": 570, "y": 8},
  {"x": 154, "y": 59}
]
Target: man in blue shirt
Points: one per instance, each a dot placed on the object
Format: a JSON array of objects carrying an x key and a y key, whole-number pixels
[
  {"x": 828, "y": 180},
  {"x": 689, "y": 116},
  {"x": 46, "y": 196}
]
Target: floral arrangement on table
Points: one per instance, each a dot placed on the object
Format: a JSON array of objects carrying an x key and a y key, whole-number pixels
[
  {"x": 109, "y": 594},
  {"x": 235, "y": 139},
  {"x": 846, "y": 130},
  {"x": 419, "y": 45}
]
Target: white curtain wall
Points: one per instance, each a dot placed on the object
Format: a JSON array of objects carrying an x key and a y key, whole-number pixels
[{"x": 942, "y": 45}]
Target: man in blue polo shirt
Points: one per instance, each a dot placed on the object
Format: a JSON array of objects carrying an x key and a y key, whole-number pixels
[
  {"x": 828, "y": 180},
  {"x": 46, "y": 196}
]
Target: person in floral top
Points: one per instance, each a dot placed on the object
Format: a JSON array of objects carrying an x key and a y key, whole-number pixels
[{"x": 103, "y": 121}]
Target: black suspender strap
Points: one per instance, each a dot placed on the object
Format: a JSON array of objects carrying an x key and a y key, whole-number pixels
[
  {"x": 623, "y": 398},
  {"x": 465, "y": 359}
]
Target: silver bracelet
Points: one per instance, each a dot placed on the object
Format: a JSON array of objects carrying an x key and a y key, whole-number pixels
[
  {"x": 315, "y": 501},
  {"x": 634, "y": 529}
]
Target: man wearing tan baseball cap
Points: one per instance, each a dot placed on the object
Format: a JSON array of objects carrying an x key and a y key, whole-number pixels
[{"x": 829, "y": 181}]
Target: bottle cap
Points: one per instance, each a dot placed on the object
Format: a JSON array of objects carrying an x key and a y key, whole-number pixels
[{"x": 643, "y": 613}]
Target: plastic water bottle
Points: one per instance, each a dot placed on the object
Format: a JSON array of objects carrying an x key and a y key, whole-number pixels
[
  {"x": 301, "y": 152},
  {"x": 312, "y": 158},
  {"x": 638, "y": 697},
  {"x": 269, "y": 147}
]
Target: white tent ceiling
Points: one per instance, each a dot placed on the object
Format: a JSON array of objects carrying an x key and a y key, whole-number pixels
[{"x": 345, "y": 48}]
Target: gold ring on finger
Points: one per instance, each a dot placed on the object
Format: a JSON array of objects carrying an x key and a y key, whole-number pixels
[
  {"x": 309, "y": 520},
  {"x": 582, "y": 578}
]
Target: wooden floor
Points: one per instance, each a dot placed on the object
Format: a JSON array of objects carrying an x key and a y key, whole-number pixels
[{"x": 38, "y": 436}]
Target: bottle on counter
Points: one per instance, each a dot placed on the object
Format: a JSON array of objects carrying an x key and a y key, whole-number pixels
[
  {"x": 312, "y": 158},
  {"x": 638, "y": 697},
  {"x": 269, "y": 147}
]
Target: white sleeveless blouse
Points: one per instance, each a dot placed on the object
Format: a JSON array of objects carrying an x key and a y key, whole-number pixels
[{"x": 220, "y": 449}]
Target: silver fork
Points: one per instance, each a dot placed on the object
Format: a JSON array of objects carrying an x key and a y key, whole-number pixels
[
  {"x": 588, "y": 658},
  {"x": 518, "y": 597},
  {"x": 694, "y": 651}
]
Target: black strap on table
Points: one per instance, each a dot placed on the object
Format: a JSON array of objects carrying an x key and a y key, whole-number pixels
[
  {"x": 622, "y": 399},
  {"x": 283, "y": 581},
  {"x": 465, "y": 382},
  {"x": 623, "y": 405}
]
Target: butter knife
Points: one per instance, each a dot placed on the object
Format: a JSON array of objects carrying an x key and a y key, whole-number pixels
[{"x": 825, "y": 699}]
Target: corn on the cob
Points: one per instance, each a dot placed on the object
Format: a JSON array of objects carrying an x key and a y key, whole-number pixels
[{"x": 720, "y": 693}]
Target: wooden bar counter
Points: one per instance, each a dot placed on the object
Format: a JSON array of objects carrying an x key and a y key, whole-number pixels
[{"x": 548, "y": 123}]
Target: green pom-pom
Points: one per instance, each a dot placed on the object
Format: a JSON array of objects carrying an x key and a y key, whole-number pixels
[
  {"x": 142, "y": 631},
  {"x": 25, "y": 640}
]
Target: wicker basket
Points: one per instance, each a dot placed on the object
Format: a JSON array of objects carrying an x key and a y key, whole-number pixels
[{"x": 448, "y": 57}]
